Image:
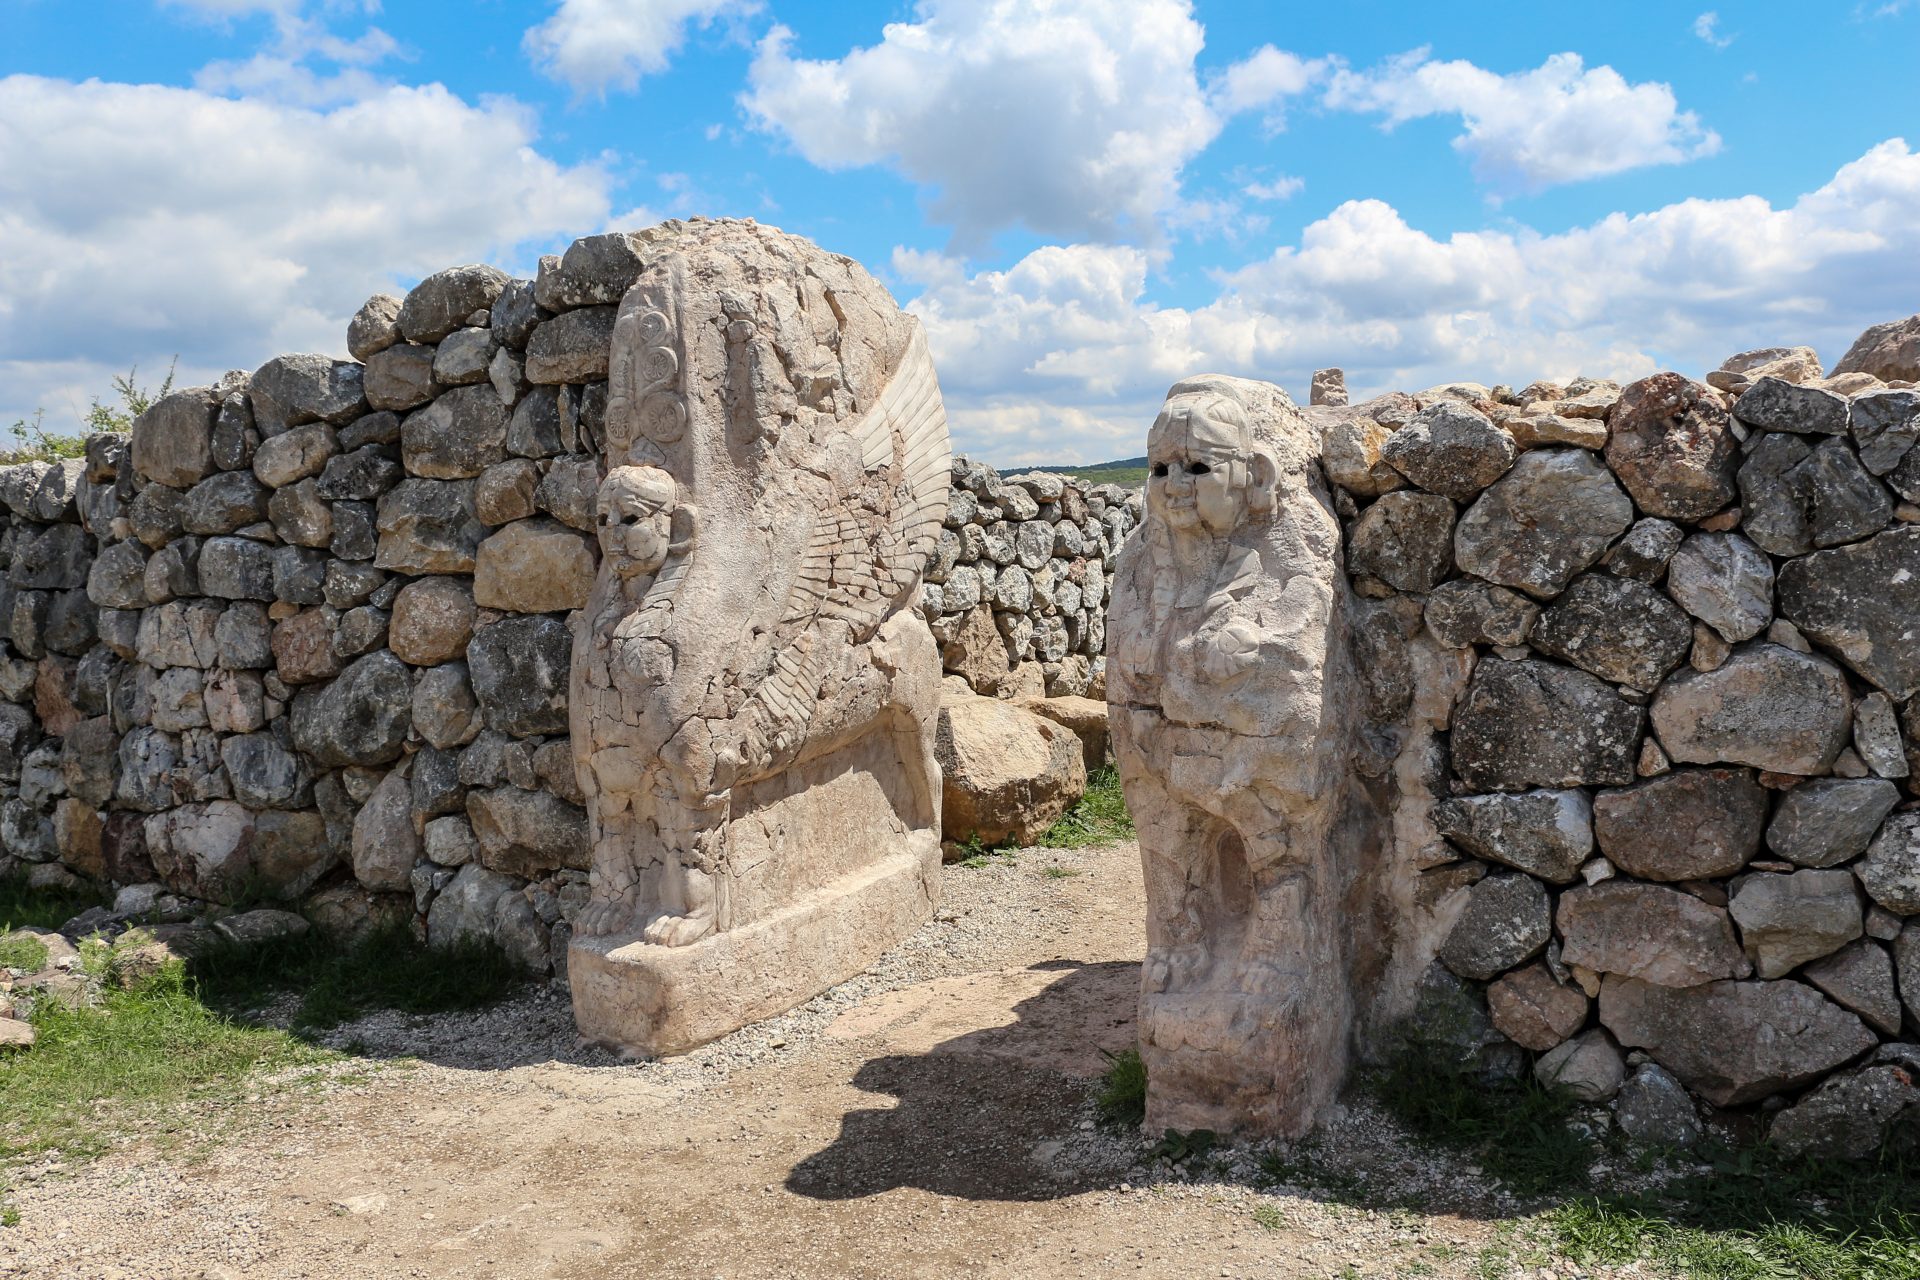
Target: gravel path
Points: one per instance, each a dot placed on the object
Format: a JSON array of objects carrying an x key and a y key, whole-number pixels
[{"x": 931, "y": 1117}]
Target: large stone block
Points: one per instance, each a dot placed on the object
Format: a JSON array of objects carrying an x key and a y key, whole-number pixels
[
  {"x": 533, "y": 566},
  {"x": 1549, "y": 518},
  {"x": 519, "y": 671},
  {"x": 1671, "y": 443},
  {"x": 1006, "y": 773},
  {"x": 527, "y": 833},
  {"x": 1768, "y": 707},
  {"x": 1649, "y": 932},
  {"x": 1693, "y": 824},
  {"x": 1533, "y": 724},
  {"x": 1861, "y": 601}
]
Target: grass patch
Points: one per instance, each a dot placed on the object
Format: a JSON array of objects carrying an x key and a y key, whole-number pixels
[
  {"x": 23, "y": 907},
  {"x": 139, "y": 1050},
  {"x": 1756, "y": 1216},
  {"x": 22, "y": 952},
  {"x": 388, "y": 968},
  {"x": 1100, "y": 817},
  {"x": 1122, "y": 1096},
  {"x": 1269, "y": 1217},
  {"x": 1058, "y": 872}
]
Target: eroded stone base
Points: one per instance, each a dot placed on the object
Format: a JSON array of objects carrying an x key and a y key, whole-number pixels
[{"x": 665, "y": 1000}]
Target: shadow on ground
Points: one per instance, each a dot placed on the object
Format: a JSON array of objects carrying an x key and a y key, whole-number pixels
[{"x": 980, "y": 1115}]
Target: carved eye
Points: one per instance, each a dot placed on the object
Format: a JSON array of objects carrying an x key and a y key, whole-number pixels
[
  {"x": 1160, "y": 468},
  {"x": 1198, "y": 469}
]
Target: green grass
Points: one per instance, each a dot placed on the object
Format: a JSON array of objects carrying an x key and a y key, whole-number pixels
[
  {"x": 23, "y": 952},
  {"x": 1268, "y": 1217},
  {"x": 1122, "y": 1096},
  {"x": 1518, "y": 1132},
  {"x": 135, "y": 1054},
  {"x": 1057, "y": 872},
  {"x": 1100, "y": 816},
  {"x": 1129, "y": 473},
  {"x": 387, "y": 969},
  {"x": 21, "y": 907}
]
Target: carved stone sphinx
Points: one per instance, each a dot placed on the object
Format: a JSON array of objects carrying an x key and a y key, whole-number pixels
[
  {"x": 1233, "y": 715},
  {"x": 753, "y": 700}
]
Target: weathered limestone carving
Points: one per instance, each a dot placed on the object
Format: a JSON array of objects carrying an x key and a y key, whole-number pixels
[
  {"x": 1233, "y": 722},
  {"x": 753, "y": 700}
]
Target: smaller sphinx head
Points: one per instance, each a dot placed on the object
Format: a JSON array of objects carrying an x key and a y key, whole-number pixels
[
  {"x": 635, "y": 519},
  {"x": 1207, "y": 471}
]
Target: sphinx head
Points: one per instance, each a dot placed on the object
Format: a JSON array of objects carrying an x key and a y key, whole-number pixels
[
  {"x": 635, "y": 519},
  {"x": 1207, "y": 471}
]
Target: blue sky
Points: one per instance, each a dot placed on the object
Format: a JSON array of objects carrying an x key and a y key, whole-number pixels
[{"x": 1084, "y": 199}]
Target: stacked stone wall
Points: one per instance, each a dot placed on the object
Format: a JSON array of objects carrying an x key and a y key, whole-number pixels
[
  {"x": 1675, "y": 831},
  {"x": 303, "y": 638}
]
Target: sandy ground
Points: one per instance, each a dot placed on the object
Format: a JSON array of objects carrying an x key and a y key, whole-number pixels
[{"x": 930, "y": 1118}]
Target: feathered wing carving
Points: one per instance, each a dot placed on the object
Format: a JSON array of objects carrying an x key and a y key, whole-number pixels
[{"x": 867, "y": 547}]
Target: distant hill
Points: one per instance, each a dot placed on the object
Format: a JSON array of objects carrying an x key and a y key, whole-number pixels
[{"x": 1129, "y": 472}]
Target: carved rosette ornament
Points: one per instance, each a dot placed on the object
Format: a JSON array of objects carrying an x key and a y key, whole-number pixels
[{"x": 754, "y": 700}]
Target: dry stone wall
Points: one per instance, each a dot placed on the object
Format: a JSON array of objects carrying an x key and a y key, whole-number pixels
[
  {"x": 304, "y": 636},
  {"x": 1674, "y": 840}
]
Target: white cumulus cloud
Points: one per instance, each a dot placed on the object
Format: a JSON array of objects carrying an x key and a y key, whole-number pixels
[
  {"x": 1063, "y": 357},
  {"x": 1071, "y": 118},
  {"x": 593, "y": 45},
  {"x": 143, "y": 221},
  {"x": 1560, "y": 122},
  {"x": 1707, "y": 27}
]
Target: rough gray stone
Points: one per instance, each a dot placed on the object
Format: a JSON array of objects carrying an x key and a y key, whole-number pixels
[
  {"x": 1691, "y": 824},
  {"x": 236, "y": 569},
  {"x": 1778, "y": 405},
  {"x": 265, "y": 775},
  {"x": 1405, "y": 540},
  {"x": 363, "y": 474},
  {"x": 437, "y": 790},
  {"x": 1619, "y": 629},
  {"x": 1507, "y": 923},
  {"x": 442, "y": 302},
  {"x": 301, "y": 516},
  {"x": 180, "y": 634},
  {"x": 382, "y": 427},
  {"x": 360, "y": 718},
  {"x": 242, "y": 637},
  {"x": 1767, "y": 706},
  {"x": 154, "y": 515},
  {"x": 309, "y": 388},
  {"x": 1859, "y": 977},
  {"x": 428, "y": 526},
  {"x": 223, "y": 502},
  {"x": 594, "y": 271},
  {"x": 519, "y": 672},
  {"x": 1712, "y": 1037},
  {"x": 173, "y": 440},
  {"x": 1649, "y": 932},
  {"x": 534, "y": 429},
  {"x": 459, "y": 435},
  {"x": 400, "y": 377},
  {"x": 463, "y": 357},
  {"x": 1654, "y": 1110},
  {"x": 1671, "y": 443},
  {"x": 1891, "y": 869},
  {"x": 1886, "y": 427},
  {"x": 1726, "y": 582},
  {"x": 450, "y": 841},
  {"x": 1450, "y": 449},
  {"x": 573, "y": 347},
  {"x": 467, "y": 908},
  {"x": 1824, "y": 822},
  {"x": 354, "y": 535},
  {"x": 1550, "y": 517},
  {"x": 433, "y": 619},
  {"x": 1642, "y": 554},
  {"x": 1537, "y": 724},
  {"x": 1587, "y": 1068},
  {"x": 1786, "y": 920},
  {"x": 1876, "y": 736},
  {"x": 1465, "y": 611},
  {"x": 515, "y": 313},
  {"x": 1544, "y": 833},
  {"x": 572, "y": 485},
  {"x": 1862, "y": 601},
  {"x": 1450, "y": 1025},
  {"x": 385, "y": 841},
  {"x": 1798, "y": 496},
  {"x": 527, "y": 833},
  {"x": 1847, "y": 1117},
  {"x": 374, "y": 327}
]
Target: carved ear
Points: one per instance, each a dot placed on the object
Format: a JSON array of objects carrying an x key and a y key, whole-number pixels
[{"x": 1263, "y": 481}]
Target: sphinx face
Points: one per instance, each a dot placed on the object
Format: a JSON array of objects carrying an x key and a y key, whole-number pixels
[
  {"x": 1197, "y": 476},
  {"x": 635, "y": 519}
]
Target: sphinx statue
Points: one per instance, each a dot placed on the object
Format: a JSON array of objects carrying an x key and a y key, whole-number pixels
[
  {"x": 753, "y": 699},
  {"x": 1232, "y": 715}
]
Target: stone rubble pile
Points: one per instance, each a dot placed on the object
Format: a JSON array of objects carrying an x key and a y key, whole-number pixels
[
  {"x": 1677, "y": 786},
  {"x": 304, "y": 636}
]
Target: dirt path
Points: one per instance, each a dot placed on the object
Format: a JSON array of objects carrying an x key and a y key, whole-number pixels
[{"x": 930, "y": 1118}]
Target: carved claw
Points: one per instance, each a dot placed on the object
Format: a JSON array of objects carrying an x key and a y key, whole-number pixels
[
  {"x": 602, "y": 918},
  {"x": 678, "y": 931}
]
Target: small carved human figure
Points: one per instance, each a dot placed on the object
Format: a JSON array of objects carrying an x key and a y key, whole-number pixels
[
  {"x": 1225, "y": 685},
  {"x": 634, "y": 516}
]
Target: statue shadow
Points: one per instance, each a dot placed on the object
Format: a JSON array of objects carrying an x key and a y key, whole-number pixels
[{"x": 984, "y": 1115}]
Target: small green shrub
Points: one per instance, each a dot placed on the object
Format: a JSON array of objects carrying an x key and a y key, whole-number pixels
[
  {"x": 1100, "y": 816},
  {"x": 34, "y": 443},
  {"x": 22, "y": 952},
  {"x": 1122, "y": 1096}
]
